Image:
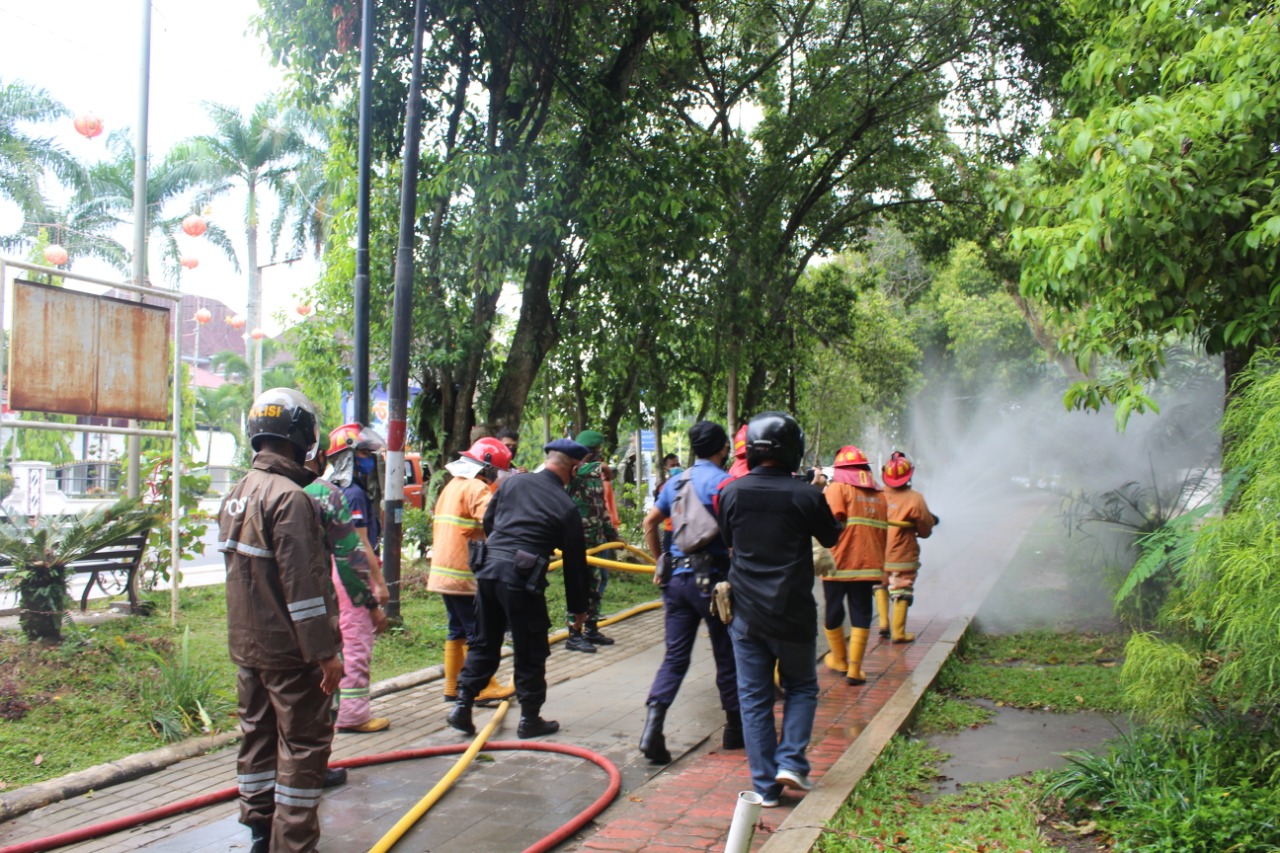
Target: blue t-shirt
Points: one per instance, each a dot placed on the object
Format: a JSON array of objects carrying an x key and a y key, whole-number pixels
[{"x": 705, "y": 477}]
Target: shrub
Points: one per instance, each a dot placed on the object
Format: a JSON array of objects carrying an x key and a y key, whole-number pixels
[{"x": 182, "y": 695}]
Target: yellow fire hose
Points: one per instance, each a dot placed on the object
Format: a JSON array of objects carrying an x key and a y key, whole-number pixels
[
  {"x": 441, "y": 788},
  {"x": 411, "y": 817}
]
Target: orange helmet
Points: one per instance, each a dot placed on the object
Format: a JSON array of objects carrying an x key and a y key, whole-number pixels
[
  {"x": 490, "y": 451},
  {"x": 355, "y": 436},
  {"x": 740, "y": 443},
  {"x": 898, "y": 470},
  {"x": 851, "y": 457}
]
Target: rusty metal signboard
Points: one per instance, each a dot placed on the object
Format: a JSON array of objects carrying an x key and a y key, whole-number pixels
[{"x": 79, "y": 354}]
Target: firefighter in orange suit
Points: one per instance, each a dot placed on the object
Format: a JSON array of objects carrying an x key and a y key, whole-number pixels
[
  {"x": 458, "y": 521},
  {"x": 857, "y": 502},
  {"x": 909, "y": 520}
]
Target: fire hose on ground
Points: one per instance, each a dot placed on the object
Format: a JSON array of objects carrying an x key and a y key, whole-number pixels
[{"x": 469, "y": 751}]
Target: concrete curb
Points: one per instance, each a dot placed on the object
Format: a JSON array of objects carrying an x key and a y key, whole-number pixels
[{"x": 800, "y": 831}]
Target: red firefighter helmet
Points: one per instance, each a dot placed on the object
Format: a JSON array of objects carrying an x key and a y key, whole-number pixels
[
  {"x": 851, "y": 457},
  {"x": 898, "y": 470},
  {"x": 740, "y": 443},
  {"x": 356, "y": 437},
  {"x": 490, "y": 451}
]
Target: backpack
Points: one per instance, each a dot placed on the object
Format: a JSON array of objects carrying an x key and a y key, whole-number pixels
[{"x": 692, "y": 524}]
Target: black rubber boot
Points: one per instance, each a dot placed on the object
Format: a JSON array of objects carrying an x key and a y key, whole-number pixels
[
  {"x": 577, "y": 642},
  {"x": 260, "y": 837},
  {"x": 532, "y": 724},
  {"x": 732, "y": 737},
  {"x": 592, "y": 633},
  {"x": 334, "y": 777},
  {"x": 653, "y": 743},
  {"x": 460, "y": 717}
]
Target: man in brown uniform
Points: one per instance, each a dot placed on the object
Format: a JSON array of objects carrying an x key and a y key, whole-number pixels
[
  {"x": 909, "y": 521},
  {"x": 282, "y": 627}
]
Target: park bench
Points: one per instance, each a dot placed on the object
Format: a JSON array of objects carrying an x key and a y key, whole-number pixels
[{"x": 111, "y": 569}]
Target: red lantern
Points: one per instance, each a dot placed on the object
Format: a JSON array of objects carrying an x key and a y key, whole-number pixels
[
  {"x": 88, "y": 125},
  {"x": 257, "y": 334},
  {"x": 203, "y": 316},
  {"x": 194, "y": 225},
  {"x": 55, "y": 254},
  {"x": 190, "y": 263},
  {"x": 304, "y": 309},
  {"x": 236, "y": 322}
]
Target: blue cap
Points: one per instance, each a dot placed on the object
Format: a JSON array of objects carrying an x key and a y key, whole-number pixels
[{"x": 568, "y": 447}]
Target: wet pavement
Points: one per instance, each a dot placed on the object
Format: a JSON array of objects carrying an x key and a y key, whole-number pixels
[{"x": 506, "y": 801}]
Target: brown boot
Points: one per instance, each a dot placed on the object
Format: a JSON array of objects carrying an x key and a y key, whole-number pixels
[
  {"x": 857, "y": 648},
  {"x": 900, "y": 634},
  {"x": 455, "y": 652},
  {"x": 836, "y": 658}
]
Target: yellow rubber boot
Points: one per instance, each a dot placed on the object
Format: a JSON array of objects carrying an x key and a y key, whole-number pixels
[
  {"x": 882, "y": 609},
  {"x": 900, "y": 634},
  {"x": 857, "y": 648},
  {"x": 836, "y": 659},
  {"x": 494, "y": 693},
  {"x": 455, "y": 652}
]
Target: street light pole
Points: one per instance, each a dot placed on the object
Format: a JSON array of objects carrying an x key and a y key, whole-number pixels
[
  {"x": 256, "y": 347},
  {"x": 133, "y": 446}
]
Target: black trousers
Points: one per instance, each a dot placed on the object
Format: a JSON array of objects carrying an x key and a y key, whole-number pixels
[{"x": 500, "y": 607}]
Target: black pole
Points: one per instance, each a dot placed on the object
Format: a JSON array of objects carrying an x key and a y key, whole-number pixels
[
  {"x": 360, "y": 389},
  {"x": 402, "y": 327}
]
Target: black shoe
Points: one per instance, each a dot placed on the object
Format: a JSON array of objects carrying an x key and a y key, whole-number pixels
[
  {"x": 536, "y": 727},
  {"x": 460, "y": 718},
  {"x": 260, "y": 837},
  {"x": 732, "y": 737},
  {"x": 593, "y": 636},
  {"x": 334, "y": 777},
  {"x": 579, "y": 643},
  {"x": 653, "y": 743}
]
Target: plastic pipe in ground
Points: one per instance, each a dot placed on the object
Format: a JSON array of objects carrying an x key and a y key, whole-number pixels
[{"x": 743, "y": 828}]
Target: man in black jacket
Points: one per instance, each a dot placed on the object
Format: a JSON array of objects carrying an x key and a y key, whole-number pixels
[
  {"x": 529, "y": 516},
  {"x": 768, "y": 518}
]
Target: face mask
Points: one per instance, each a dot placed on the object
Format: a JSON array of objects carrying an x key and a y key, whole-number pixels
[{"x": 365, "y": 465}]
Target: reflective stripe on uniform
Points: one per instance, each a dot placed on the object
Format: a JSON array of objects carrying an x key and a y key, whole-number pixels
[
  {"x": 253, "y": 783},
  {"x": 461, "y": 574},
  {"x": 354, "y": 692},
  {"x": 459, "y": 521},
  {"x": 242, "y": 548},
  {"x": 869, "y": 522},
  {"x": 902, "y": 567},
  {"x": 299, "y": 610},
  {"x": 303, "y": 797}
]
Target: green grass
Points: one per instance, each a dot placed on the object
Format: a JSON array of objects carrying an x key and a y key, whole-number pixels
[
  {"x": 1039, "y": 669},
  {"x": 885, "y": 813},
  {"x": 939, "y": 714},
  {"x": 72, "y": 706}
]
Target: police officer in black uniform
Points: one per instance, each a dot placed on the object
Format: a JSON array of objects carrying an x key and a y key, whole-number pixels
[{"x": 528, "y": 518}]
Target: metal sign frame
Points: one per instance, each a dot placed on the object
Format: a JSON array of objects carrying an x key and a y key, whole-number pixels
[{"x": 174, "y": 433}]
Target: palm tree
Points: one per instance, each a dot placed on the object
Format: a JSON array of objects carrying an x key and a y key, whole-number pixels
[
  {"x": 110, "y": 194},
  {"x": 25, "y": 159},
  {"x": 259, "y": 152},
  {"x": 221, "y": 408}
]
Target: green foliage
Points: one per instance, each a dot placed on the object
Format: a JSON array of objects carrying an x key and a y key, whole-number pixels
[
  {"x": 1192, "y": 790},
  {"x": 942, "y": 714},
  {"x": 183, "y": 696},
  {"x": 1153, "y": 214},
  {"x": 25, "y": 159},
  {"x": 1043, "y": 670},
  {"x": 39, "y": 552},
  {"x": 157, "y": 561},
  {"x": 42, "y": 445},
  {"x": 884, "y": 813},
  {"x": 1162, "y": 680},
  {"x": 417, "y": 528},
  {"x": 6, "y": 484}
]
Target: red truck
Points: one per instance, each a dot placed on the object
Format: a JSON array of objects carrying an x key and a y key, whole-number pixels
[{"x": 413, "y": 480}]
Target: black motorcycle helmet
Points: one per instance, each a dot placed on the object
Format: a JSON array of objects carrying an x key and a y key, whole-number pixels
[
  {"x": 285, "y": 414},
  {"x": 777, "y": 436}
]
